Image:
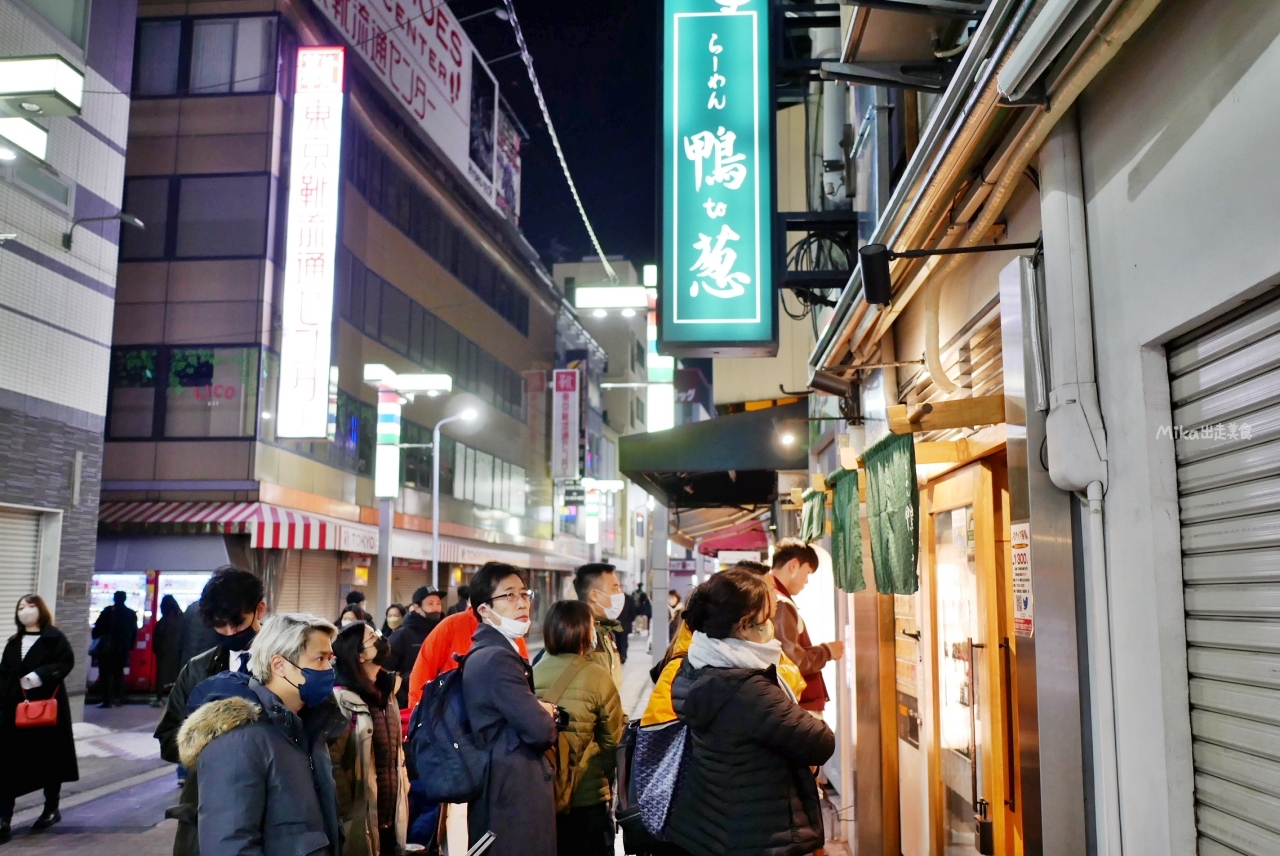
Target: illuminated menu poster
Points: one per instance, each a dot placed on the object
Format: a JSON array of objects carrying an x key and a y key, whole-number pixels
[
  {"x": 717, "y": 175},
  {"x": 565, "y": 424},
  {"x": 307, "y": 314}
]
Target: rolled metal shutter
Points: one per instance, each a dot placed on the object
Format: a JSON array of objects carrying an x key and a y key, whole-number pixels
[
  {"x": 19, "y": 556},
  {"x": 289, "y": 587},
  {"x": 318, "y": 586},
  {"x": 1225, "y": 384},
  {"x": 404, "y": 582}
]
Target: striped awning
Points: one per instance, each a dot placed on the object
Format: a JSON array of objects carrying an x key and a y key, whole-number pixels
[{"x": 266, "y": 525}]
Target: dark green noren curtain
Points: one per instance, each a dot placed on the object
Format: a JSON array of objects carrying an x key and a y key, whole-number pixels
[
  {"x": 846, "y": 531},
  {"x": 893, "y": 513},
  {"x": 813, "y": 516}
]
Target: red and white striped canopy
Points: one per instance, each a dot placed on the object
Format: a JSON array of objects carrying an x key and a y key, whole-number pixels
[{"x": 266, "y": 525}]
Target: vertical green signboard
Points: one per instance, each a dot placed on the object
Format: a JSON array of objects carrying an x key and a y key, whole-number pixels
[{"x": 717, "y": 181}]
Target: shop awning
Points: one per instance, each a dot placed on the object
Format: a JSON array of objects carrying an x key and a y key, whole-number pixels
[
  {"x": 728, "y": 461},
  {"x": 266, "y": 525},
  {"x": 745, "y": 536}
]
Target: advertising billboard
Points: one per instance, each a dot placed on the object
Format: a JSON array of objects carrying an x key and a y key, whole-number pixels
[{"x": 716, "y": 296}]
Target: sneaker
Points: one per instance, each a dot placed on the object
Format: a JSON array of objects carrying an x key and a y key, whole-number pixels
[{"x": 47, "y": 819}]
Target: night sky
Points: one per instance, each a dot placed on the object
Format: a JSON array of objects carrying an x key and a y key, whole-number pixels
[{"x": 597, "y": 63}]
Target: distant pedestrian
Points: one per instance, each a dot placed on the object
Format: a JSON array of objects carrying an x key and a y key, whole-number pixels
[
  {"x": 464, "y": 601},
  {"x": 644, "y": 608},
  {"x": 368, "y": 755},
  {"x": 425, "y": 613},
  {"x": 517, "y": 802},
  {"x": 353, "y": 613},
  {"x": 674, "y": 611},
  {"x": 597, "y": 585},
  {"x": 596, "y": 724},
  {"x": 355, "y": 598},
  {"x": 259, "y": 746},
  {"x": 116, "y": 632},
  {"x": 35, "y": 663},
  {"x": 166, "y": 645},
  {"x": 627, "y": 620},
  {"x": 747, "y": 787},
  {"x": 393, "y": 618}
]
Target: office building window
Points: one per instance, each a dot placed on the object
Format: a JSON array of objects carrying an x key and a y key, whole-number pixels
[
  {"x": 640, "y": 410},
  {"x": 69, "y": 17},
  {"x": 212, "y": 392},
  {"x": 222, "y": 216},
  {"x": 205, "y": 56},
  {"x": 148, "y": 200},
  {"x": 133, "y": 393},
  {"x": 159, "y": 46}
]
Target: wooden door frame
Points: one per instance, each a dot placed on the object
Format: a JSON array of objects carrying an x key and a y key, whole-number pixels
[{"x": 983, "y": 485}]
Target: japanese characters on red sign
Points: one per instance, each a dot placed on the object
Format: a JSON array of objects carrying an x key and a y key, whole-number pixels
[
  {"x": 565, "y": 424},
  {"x": 311, "y": 244}
]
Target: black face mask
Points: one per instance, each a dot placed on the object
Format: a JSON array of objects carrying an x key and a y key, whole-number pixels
[
  {"x": 382, "y": 650},
  {"x": 238, "y": 641}
]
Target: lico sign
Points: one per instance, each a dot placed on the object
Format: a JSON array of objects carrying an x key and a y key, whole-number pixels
[
  {"x": 717, "y": 294},
  {"x": 311, "y": 245}
]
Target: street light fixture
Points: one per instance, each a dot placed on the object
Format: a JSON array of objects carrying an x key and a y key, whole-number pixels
[{"x": 127, "y": 219}]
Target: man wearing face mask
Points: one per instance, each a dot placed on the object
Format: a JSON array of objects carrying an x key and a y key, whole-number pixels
[
  {"x": 597, "y": 585},
  {"x": 518, "y": 801},
  {"x": 232, "y": 604},
  {"x": 259, "y": 746}
]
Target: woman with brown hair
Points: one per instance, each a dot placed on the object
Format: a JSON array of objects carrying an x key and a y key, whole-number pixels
[
  {"x": 748, "y": 789},
  {"x": 565, "y": 676},
  {"x": 36, "y": 661}
]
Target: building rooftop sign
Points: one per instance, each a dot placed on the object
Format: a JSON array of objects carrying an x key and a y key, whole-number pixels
[
  {"x": 422, "y": 55},
  {"x": 717, "y": 173}
]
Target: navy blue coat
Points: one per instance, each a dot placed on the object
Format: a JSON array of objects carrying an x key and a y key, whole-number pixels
[{"x": 518, "y": 802}]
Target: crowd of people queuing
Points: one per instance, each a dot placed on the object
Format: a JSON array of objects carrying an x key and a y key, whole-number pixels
[{"x": 290, "y": 729}]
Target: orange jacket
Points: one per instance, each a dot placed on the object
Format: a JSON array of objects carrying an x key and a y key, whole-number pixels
[{"x": 435, "y": 657}]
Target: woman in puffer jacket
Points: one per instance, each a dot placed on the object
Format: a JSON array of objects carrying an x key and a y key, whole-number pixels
[
  {"x": 565, "y": 676},
  {"x": 749, "y": 789},
  {"x": 368, "y": 756}
]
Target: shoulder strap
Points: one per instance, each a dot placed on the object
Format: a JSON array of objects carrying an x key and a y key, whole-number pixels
[{"x": 566, "y": 677}]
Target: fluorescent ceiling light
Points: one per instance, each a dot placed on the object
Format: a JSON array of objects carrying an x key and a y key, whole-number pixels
[
  {"x": 45, "y": 86},
  {"x": 377, "y": 372},
  {"x": 611, "y": 297},
  {"x": 422, "y": 383},
  {"x": 26, "y": 135}
]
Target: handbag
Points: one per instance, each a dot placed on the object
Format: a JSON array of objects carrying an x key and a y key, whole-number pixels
[
  {"x": 661, "y": 759},
  {"x": 36, "y": 714}
]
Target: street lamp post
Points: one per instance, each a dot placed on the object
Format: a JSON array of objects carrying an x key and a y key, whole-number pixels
[{"x": 464, "y": 416}]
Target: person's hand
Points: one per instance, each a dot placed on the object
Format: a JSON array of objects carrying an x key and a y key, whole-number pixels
[
  {"x": 30, "y": 681},
  {"x": 549, "y": 708},
  {"x": 836, "y": 649}
]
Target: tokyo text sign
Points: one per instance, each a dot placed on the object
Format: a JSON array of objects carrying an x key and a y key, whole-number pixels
[
  {"x": 717, "y": 284},
  {"x": 566, "y": 428},
  {"x": 311, "y": 245}
]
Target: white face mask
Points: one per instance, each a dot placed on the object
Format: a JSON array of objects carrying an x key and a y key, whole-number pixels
[
  {"x": 508, "y": 627},
  {"x": 28, "y": 615},
  {"x": 614, "y": 609}
]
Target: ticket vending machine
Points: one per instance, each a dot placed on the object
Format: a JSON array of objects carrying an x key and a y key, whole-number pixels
[{"x": 143, "y": 593}]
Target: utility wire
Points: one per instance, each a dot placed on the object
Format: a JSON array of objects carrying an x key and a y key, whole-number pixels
[{"x": 546, "y": 116}]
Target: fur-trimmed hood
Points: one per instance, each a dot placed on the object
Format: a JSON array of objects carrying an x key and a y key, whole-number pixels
[{"x": 211, "y": 721}]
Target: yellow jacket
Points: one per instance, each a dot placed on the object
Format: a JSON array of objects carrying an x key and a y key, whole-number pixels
[{"x": 660, "y": 709}]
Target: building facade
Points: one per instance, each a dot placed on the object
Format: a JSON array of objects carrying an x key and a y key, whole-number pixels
[{"x": 62, "y": 155}]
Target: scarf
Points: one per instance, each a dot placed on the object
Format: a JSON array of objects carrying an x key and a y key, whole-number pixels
[{"x": 735, "y": 653}]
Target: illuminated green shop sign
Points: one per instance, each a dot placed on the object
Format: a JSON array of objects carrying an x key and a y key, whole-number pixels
[{"x": 717, "y": 174}]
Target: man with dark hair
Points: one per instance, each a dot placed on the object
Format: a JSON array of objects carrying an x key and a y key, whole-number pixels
[
  {"x": 232, "y": 604},
  {"x": 116, "y": 631},
  {"x": 425, "y": 612},
  {"x": 793, "y": 562},
  {"x": 355, "y": 598},
  {"x": 464, "y": 601},
  {"x": 597, "y": 585}
]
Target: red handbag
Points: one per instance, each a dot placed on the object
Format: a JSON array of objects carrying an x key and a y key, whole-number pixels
[{"x": 36, "y": 714}]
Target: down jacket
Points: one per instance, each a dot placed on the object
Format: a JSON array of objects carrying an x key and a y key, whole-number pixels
[
  {"x": 596, "y": 722},
  {"x": 266, "y": 782},
  {"x": 748, "y": 790},
  {"x": 355, "y": 776}
]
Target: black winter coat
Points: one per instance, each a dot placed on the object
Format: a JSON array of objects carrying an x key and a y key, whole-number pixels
[
  {"x": 406, "y": 642},
  {"x": 197, "y": 637},
  {"x": 166, "y": 642},
  {"x": 116, "y": 631},
  {"x": 748, "y": 791},
  {"x": 195, "y": 672},
  {"x": 36, "y": 757},
  {"x": 518, "y": 801}
]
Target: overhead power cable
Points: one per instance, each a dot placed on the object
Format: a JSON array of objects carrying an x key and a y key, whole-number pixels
[{"x": 555, "y": 140}]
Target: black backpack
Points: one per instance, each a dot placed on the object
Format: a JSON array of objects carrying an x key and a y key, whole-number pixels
[{"x": 444, "y": 754}]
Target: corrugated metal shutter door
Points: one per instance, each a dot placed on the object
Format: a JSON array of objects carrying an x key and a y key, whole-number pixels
[
  {"x": 318, "y": 591},
  {"x": 292, "y": 582},
  {"x": 1226, "y": 413},
  {"x": 404, "y": 581},
  {"x": 19, "y": 557}
]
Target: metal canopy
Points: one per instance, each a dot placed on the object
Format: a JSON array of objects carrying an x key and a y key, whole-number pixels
[{"x": 724, "y": 462}]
